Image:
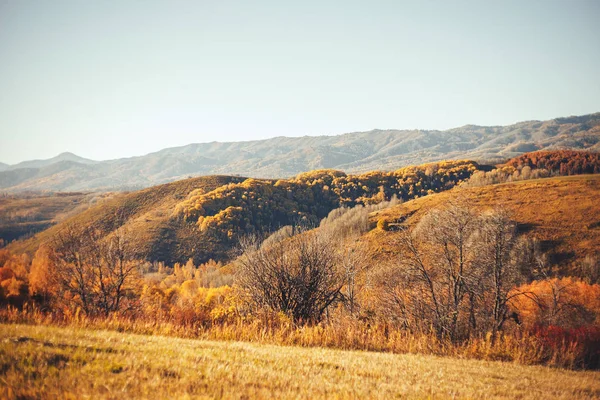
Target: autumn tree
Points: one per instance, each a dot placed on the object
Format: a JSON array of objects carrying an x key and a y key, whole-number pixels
[
  {"x": 354, "y": 262},
  {"x": 40, "y": 280},
  {"x": 94, "y": 273},
  {"x": 300, "y": 276},
  {"x": 13, "y": 278},
  {"x": 500, "y": 256},
  {"x": 457, "y": 269},
  {"x": 563, "y": 162},
  {"x": 566, "y": 302}
]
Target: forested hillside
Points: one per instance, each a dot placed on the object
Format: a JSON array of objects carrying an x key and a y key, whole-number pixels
[
  {"x": 560, "y": 162},
  {"x": 204, "y": 218}
]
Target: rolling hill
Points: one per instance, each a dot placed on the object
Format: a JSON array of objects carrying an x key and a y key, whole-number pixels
[
  {"x": 563, "y": 213},
  {"x": 22, "y": 216},
  {"x": 282, "y": 157},
  {"x": 146, "y": 212},
  {"x": 204, "y": 217}
]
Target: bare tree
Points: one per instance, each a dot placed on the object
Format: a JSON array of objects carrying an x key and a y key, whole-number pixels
[
  {"x": 94, "y": 272},
  {"x": 354, "y": 262},
  {"x": 501, "y": 258},
  {"x": 441, "y": 255},
  {"x": 300, "y": 276},
  {"x": 456, "y": 272}
]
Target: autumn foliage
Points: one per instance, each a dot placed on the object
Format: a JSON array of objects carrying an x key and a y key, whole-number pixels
[
  {"x": 14, "y": 271},
  {"x": 258, "y": 206},
  {"x": 563, "y": 162},
  {"x": 566, "y": 302},
  {"x": 464, "y": 280}
]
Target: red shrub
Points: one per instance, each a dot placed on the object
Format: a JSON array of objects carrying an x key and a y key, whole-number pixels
[{"x": 586, "y": 338}]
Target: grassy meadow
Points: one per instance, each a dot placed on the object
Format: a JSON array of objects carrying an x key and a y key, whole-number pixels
[{"x": 51, "y": 362}]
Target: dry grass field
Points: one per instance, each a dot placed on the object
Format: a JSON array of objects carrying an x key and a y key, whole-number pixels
[
  {"x": 49, "y": 362},
  {"x": 562, "y": 212}
]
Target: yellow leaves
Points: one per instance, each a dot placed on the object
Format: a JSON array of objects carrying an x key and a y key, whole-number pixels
[
  {"x": 250, "y": 183},
  {"x": 12, "y": 286},
  {"x": 189, "y": 288},
  {"x": 255, "y": 204},
  {"x": 201, "y": 225},
  {"x": 383, "y": 224}
]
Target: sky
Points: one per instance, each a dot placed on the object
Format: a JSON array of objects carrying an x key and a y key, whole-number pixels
[{"x": 111, "y": 79}]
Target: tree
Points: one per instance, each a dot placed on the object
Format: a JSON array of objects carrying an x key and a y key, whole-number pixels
[
  {"x": 441, "y": 255},
  {"x": 40, "y": 279},
  {"x": 457, "y": 269},
  {"x": 501, "y": 258},
  {"x": 566, "y": 302},
  {"x": 300, "y": 276},
  {"x": 354, "y": 262},
  {"x": 94, "y": 273}
]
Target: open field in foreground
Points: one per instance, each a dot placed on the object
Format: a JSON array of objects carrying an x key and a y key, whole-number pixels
[{"x": 48, "y": 362}]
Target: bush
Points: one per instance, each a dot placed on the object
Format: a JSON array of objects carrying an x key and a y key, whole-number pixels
[{"x": 383, "y": 224}]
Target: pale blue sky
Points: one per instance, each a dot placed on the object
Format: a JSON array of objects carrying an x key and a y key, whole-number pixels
[{"x": 109, "y": 79}]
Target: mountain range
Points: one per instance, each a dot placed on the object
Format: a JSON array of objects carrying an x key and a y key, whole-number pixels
[{"x": 282, "y": 157}]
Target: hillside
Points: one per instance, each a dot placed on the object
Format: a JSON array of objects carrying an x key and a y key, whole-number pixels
[
  {"x": 146, "y": 212},
  {"x": 562, "y": 212},
  {"x": 283, "y": 157},
  {"x": 38, "y": 361},
  {"x": 25, "y": 215},
  {"x": 562, "y": 162},
  {"x": 205, "y": 217}
]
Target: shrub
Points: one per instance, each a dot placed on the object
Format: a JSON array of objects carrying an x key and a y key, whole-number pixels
[{"x": 383, "y": 224}]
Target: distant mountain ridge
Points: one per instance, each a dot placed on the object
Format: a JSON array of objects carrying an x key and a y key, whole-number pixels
[
  {"x": 282, "y": 157},
  {"x": 66, "y": 156}
]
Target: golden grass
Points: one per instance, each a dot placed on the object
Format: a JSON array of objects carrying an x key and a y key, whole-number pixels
[
  {"x": 342, "y": 333},
  {"x": 562, "y": 212},
  {"x": 50, "y": 362}
]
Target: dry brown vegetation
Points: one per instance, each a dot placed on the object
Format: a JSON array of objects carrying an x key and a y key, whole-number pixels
[
  {"x": 563, "y": 213},
  {"x": 370, "y": 301},
  {"x": 215, "y": 321},
  {"x": 204, "y": 217},
  {"x": 504, "y": 272},
  {"x": 336, "y": 287},
  {"x": 76, "y": 363},
  {"x": 26, "y": 214},
  {"x": 147, "y": 212}
]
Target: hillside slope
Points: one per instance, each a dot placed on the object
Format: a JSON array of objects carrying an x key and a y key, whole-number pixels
[
  {"x": 147, "y": 213},
  {"x": 26, "y": 215},
  {"x": 282, "y": 157},
  {"x": 562, "y": 212},
  {"x": 205, "y": 217}
]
